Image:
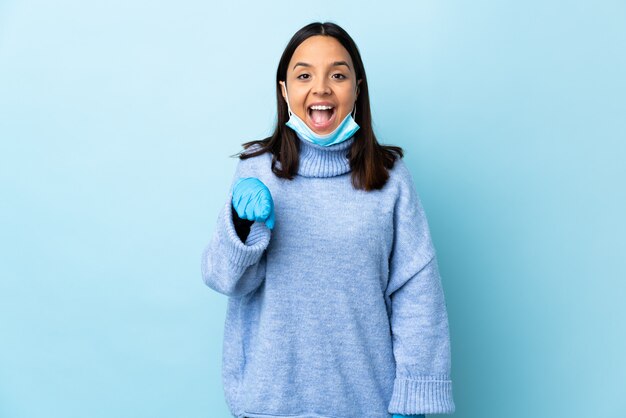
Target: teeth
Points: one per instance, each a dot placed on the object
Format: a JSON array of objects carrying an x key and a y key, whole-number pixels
[{"x": 316, "y": 107}]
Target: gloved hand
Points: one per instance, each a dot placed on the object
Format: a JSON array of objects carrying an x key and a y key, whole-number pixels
[
  {"x": 253, "y": 201},
  {"x": 408, "y": 416}
]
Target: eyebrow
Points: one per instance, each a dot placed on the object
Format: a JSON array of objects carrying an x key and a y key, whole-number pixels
[{"x": 336, "y": 63}]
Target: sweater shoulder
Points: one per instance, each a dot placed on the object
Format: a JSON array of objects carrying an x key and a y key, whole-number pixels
[
  {"x": 404, "y": 187},
  {"x": 254, "y": 166},
  {"x": 400, "y": 175}
]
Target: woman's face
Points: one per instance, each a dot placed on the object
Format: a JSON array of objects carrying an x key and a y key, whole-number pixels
[{"x": 321, "y": 73}]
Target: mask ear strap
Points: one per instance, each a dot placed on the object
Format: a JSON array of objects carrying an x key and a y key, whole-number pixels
[
  {"x": 354, "y": 111},
  {"x": 287, "y": 96}
]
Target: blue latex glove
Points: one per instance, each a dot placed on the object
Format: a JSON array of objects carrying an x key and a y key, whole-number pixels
[
  {"x": 253, "y": 201},
  {"x": 408, "y": 416}
]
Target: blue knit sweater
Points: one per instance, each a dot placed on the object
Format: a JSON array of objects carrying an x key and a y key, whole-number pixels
[{"x": 339, "y": 311}]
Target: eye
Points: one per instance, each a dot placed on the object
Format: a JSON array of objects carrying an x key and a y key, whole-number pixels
[
  {"x": 341, "y": 75},
  {"x": 302, "y": 75}
]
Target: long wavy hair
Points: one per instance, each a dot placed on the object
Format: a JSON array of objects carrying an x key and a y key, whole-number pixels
[{"x": 369, "y": 160}]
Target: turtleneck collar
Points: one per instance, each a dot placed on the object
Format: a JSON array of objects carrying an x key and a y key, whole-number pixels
[{"x": 319, "y": 161}]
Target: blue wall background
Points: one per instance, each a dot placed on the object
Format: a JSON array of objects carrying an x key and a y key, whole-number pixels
[{"x": 116, "y": 122}]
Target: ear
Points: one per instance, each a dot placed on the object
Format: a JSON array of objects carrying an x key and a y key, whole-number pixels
[
  {"x": 282, "y": 89},
  {"x": 358, "y": 89}
]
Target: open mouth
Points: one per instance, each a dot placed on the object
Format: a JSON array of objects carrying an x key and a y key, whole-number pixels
[{"x": 321, "y": 117}]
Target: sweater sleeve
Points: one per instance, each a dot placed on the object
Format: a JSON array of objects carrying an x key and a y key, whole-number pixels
[
  {"x": 229, "y": 265},
  {"x": 419, "y": 319}
]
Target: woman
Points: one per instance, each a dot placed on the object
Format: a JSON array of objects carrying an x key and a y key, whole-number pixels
[{"x": 336, "y": 308}]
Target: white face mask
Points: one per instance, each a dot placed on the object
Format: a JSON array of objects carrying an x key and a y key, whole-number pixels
[{"x": 344, "y": 131}]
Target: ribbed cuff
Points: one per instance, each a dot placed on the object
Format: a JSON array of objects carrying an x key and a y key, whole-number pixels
[
  {"x": 421, "y": 397},
  {"x": 240, "y": 254}
]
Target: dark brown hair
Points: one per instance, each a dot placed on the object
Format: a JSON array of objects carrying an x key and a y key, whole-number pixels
[{"x": 369, "y": 160}]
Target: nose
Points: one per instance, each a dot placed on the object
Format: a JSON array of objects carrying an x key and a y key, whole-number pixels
[{"x": 321, "y": 87}]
